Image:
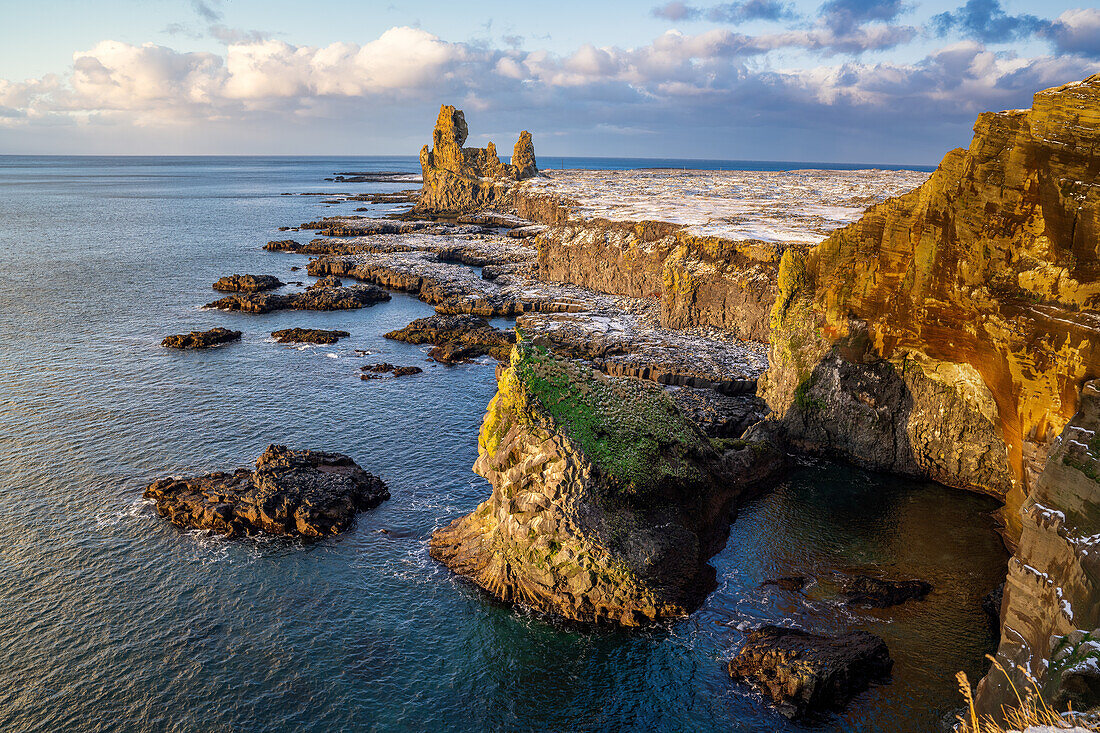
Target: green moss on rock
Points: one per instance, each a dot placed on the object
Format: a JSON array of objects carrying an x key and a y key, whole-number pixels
[{"x": 630, "y": 430}]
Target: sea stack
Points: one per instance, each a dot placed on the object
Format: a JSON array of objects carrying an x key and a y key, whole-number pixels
[
  {"x": 607, "y": 502},
  {"x": 460, "y": 180}
]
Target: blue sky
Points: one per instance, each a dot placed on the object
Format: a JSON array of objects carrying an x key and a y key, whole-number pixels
[{"x": 842, "y": 80}]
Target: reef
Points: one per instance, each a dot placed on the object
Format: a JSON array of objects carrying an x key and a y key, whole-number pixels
[
  {"x": 301, "y": 493},
  {"x": 472, "y": 334},
  {"x": 308, "y": 336},
  {"x": 607, "y": 501},
  {"x": 321, "y": 299},
  {"x": 201, "y": 339},
  {"x": 804, "y": 673},
  {"x": 247, "y": 283}
]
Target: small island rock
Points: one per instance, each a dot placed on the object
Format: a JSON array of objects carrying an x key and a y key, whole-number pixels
[
  {"x": 247, "y": 283},
  {"x": 201, "y": 339},
  {"x": 308, "y": 336},
  {"x": 303, "y": 493}
]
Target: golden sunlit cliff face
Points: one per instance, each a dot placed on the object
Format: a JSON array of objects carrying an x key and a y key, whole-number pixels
[
  {"x": 950, "y": 333},
  {"x": 989, "y": 269}
]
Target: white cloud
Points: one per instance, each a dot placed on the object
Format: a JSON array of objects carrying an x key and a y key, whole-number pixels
[{"x": 717, "y": 80}]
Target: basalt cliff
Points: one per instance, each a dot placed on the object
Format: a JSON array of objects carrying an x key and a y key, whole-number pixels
[{"x": 948, "y": 334}]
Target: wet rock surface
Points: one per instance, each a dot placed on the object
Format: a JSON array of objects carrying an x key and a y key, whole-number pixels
[
  {"x": 302, "y": 493},
  {"x": 377, "y": 371},
  {"x": 458, "y": 337},
  {"x": 323, "y": 299},
  {"x": 864, "y": 590},
  {"x": 247, "y": 283},
  {"x": 308, "y": 336},
  {"x": 201, "y": 339},
  {"x": 804, "y": 673}
]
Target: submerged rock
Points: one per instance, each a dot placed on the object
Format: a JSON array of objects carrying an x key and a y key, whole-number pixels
[
  {"x": 377, "y": 371},
  {"x": 792, "y": 583},
  {"x": 201, "y": 339},
  {"x": 864, "y": 590},
  {"x": 308, "y": 336},
  {"x": 303, "y": 493},
  {"x": 323, "y": 299},
  {"x": 247, "y": 283},
  {"x": 804, "y": 673},
  {"x": 607, "y": 502}
]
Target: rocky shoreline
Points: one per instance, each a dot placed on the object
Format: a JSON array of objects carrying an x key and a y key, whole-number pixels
[{"x": 671, "y": 350}]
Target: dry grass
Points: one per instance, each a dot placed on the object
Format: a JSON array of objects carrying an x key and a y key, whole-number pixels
[{"x": 1032, "y": 710}]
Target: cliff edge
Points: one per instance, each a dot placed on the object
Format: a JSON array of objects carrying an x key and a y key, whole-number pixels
[{"x": 948, "y": 334}]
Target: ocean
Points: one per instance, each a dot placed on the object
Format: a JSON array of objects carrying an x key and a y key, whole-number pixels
[{"x": 111, "y": 619}]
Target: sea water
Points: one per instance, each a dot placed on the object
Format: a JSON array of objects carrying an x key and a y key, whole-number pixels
[{"x": 113, "y": 619}]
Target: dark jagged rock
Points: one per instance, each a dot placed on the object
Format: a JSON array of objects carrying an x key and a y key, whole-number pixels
[
  {"x": 461, "y": 337},
  {"x": 247, "y": 283},
  {"x": 377, "y": 371},
  {"x": 282, "y": 245},
  {"x": 330, "y": 281},
  {"x": 302, "y": 493},
  {"x": 321, "y": 299},
  {"x": 720, "y": 415},
  {"x": 864, "y": 590},
  {"x": 459, "y": 180},
  {"x": 456, "y": 353},
  {"x": 201, "y": 339},
  {"x": 308, "y": 336},
  {"x": 804, "y": 673}
]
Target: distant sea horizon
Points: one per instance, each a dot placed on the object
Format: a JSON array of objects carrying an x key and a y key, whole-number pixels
[{"x": 545, "y": 162}]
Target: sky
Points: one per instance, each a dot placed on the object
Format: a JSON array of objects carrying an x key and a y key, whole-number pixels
[{"x": 853, "y": 81}]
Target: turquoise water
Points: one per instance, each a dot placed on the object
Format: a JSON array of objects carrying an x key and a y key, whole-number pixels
[{"x": 111, "y": 619}]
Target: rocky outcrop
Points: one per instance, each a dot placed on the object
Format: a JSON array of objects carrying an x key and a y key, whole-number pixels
[
  {"x": 326, "y": 282},
  {"x": 804, "y": 673},
  {"x": 247, "y": 283},
  {"x": 698, "y": 281},
  {"x": 201, "y": 339},
  {"x": 308, "y": 336},
  {"x": 607, "y": 502},
  {"x": 864, "y": 590},
  {"x": 378, "y": 371},
  {"x": 705, "y": 244},
  {"x": 302, "y": 493},
  {"x": 1052, "y": 593},
  {"x": 466, "y": 336},
  {"x": 319, "y": 299},
  {"x": 459, "y": 180}
]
